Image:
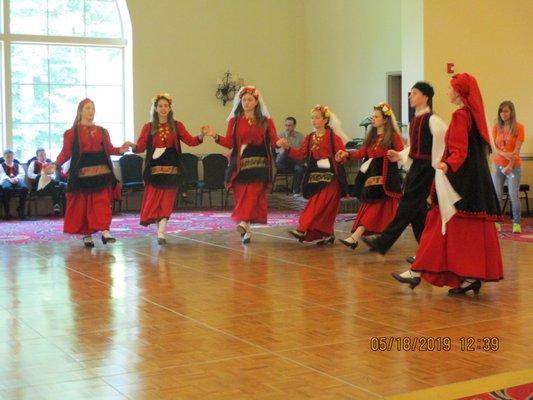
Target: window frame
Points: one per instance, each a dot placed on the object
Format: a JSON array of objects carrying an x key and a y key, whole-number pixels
[{"x": 7, "y": 39}]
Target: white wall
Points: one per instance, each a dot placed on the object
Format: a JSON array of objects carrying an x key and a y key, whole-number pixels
[
  {"x": 350, "y": 45},
  {"x": 412, "y": 26}
]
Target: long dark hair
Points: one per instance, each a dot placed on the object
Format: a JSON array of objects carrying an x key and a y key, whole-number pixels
[
  {"x": 258, "y": 115},
  {"x": 512, "y": 121},
  {"x": 155, "y": 116},
  {"x": 388, "y": 131}
]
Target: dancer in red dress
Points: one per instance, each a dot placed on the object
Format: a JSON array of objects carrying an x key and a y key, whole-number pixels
[
  {"x": 324, "y": 181},
  {"x": 161, "y": 138},
  {"x": 459, "y": 246},
  {"x": 378, "y": 183},
  {"x": 91, "y": 179},
  {"x": 251, "y": 136}
]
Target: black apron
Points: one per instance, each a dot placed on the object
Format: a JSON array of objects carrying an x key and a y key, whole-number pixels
[
  {"x": 473, "y": 182},
  {"x": 315, "y": 178},
  {"x": 370, "y": 185},
  {"x": 254, "y": 161},
  {"x": 165, "y": 171},
  {"x": 90, "y": 172}
]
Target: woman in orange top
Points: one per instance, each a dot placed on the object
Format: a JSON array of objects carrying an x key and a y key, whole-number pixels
[{"x": 508, "y": 138}]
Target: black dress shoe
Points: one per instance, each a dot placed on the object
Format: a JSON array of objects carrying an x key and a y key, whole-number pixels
[
  {"x": 89, "y": 244},
  {"x": 352, "y": 245},
  {"x": 297, "y": 234},
  {"x": 412, "y": 282},
  {"x": 106, "y": 240},
  {"x": 246, "y": 238},
  {"x": 410, "y": 259},
  {"x": 372, "y": 242},
  {"x": 475, "y": 286},
  {"x": 329, "y": 240},
  {"x": 161, "y": 241}
]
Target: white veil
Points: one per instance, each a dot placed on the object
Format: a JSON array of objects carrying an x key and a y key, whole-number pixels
[
  {"x": 336, "y": 125},
  {"x": 252, "y": 90}
]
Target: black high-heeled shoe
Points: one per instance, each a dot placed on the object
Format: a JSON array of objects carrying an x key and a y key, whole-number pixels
[
  {"x": 475, "y": 286},
  {"x": 352, "y": 245},
  {"x": 412, "y": 282},
  {"x": 106, "y": 240},
  {"x": 161, "y": 241},
  {"x": 328, "y": 240}
]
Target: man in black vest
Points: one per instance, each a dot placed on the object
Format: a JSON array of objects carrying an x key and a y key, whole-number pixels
[
  {"x": 12, "y": 180},
  {"x": 426, "y": 137}
]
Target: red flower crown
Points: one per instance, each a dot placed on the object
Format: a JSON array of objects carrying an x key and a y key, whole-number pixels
[
  {"x": 249, "y": 90},
  {"x": 324, "y": 110}
]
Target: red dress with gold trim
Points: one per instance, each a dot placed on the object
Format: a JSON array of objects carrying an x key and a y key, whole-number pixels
[
  {"x": 250, "y": 197},
  {"x": 317, "y": 219},
  {"x": 87, "y": 213},
  {"x": 376, "y": 216},
  {"x": 157, "y": 202}
]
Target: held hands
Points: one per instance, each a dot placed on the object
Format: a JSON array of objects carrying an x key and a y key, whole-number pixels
[
  {"x": 283, "y": 143},
  {"x": 207, "y": 130},
  {"x": 126, "y": 147},
  {"x": 341, "y": 155},
  {"x": 393, "y": 155},
  {"x": 442, "y": 166}
]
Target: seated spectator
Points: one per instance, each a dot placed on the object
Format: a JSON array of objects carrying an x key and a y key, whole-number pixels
[
  {"x": 12, "y": 180},
  {"x": 284, "y": 162},
  {"x": 54, "y": 188}
]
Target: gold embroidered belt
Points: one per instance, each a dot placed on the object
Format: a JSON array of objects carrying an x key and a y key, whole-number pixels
[
  {"x": 94, "y": 170},
  {"x": 374, "y": 181},
  {"x": 164, "y": 169},
  {"x": 253, "y": 162},
  {"x": 320, "y": 177}
]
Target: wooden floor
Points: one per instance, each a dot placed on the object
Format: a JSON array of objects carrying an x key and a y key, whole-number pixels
[{"x": 208, "y": 318}]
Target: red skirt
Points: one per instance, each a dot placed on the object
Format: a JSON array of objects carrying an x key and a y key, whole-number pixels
[
  {"x": 375, "y": 217},
  {"x": 317, "y": 219},
  {"x": 469, "y": 249},
  {"x": 157, "y": 204},
  {"x": 250, "y": 202},
  {"x": 88, "y": 213}
]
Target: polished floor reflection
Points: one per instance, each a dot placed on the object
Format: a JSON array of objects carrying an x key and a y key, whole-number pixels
[{"x": 208, "y": 318}]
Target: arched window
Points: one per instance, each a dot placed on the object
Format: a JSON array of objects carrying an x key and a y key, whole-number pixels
[{"x": 57, "y": 52}]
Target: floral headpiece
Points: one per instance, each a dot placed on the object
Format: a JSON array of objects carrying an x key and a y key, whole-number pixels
[
  {"x": 385, "y": 108},
  {"x": 324, "y": 110},
  {"x": 249, "y": 90},
  {"x": 160, "y": 96}
]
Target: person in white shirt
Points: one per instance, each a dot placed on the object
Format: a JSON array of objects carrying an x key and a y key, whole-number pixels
[
  {"x": 54, "y": 188},
  {"x": 12, "y": 180}
]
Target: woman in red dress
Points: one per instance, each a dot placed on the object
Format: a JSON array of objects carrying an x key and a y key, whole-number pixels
[
  {"x": 91, "y": 179},
  {"x": 251, "y": 136},
  {"x": 378, "y": 184},
  {"x": 459, "y": 246},
  {"x": 324, "y": 181},
  {"x": 161, "y": 139}
]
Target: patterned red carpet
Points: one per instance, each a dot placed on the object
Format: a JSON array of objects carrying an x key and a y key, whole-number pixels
[
  {"x": 127, "y": 225},
  {"x": 522, "y": 392}
]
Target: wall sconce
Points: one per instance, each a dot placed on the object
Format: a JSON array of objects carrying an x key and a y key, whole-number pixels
[{"x": 228, "y": 87}]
